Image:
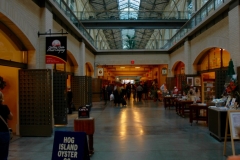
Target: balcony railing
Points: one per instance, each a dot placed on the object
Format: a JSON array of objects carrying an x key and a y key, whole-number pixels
[
  {"x": 132, "y": 15},
  {"x": 126, "y": 44},
  {"x": 72, "y": 17},
  {"x": 196, "y": 19}
]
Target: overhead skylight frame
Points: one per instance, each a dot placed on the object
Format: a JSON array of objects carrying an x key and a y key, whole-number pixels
[{"x": 128, "y": 11}]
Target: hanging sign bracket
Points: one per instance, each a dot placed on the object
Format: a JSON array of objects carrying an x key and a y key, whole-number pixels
[{"x": 50, "y": 33}]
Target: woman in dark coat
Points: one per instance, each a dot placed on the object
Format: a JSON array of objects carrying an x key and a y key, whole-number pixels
[{"x": 117, "y": 96}]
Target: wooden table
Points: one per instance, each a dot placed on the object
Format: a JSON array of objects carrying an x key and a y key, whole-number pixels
[
  {"x": 177, "y": 106},
  {"x": 168, "y": 101},
  {"x": 86, "y": 125},
  {"x": 184, "y": 107},
  {"x": 195, "y": 113}
]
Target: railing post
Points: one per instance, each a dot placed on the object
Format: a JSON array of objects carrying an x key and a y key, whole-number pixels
[{"x": 214, "y": 4}]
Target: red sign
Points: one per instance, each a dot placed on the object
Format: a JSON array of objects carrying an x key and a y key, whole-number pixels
[{"x": 132, "y": 61}]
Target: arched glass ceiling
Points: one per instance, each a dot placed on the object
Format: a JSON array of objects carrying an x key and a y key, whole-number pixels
[
  {"x": 128, "y": 10},
  {"x": 131, "y": 10}
]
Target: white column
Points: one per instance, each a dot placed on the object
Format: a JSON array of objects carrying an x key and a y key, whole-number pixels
[
  {"x": 234, "y": 35},
  {"x": 189, "y": 69},
  {"x": 80, "y": 69},
  {"x": 187, "y": 57},
  {"x": 37, "y": 59}
]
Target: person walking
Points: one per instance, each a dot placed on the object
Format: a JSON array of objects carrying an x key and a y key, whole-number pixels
[
  {"x": 109, "y": 91},
  {"x": 128, "y": 90},
  {"x": 154, "y": 93},
  {"x": 5, "y": 115},
  {"x": 139, "y": 92},
  {"x": 117, "y": 96}
]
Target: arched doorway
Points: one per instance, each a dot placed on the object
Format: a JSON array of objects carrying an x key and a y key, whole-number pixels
[
  {"x": 89, "y": 69},
  {"x": 179, "y": 74},
  {"x": 13, "y": 57},
  {"x": 212, "y": 66}
]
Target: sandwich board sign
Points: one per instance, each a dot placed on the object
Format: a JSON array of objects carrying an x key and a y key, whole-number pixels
[
  {"x": 70, "y": 146},
  {"x": 233, "y": 121}
]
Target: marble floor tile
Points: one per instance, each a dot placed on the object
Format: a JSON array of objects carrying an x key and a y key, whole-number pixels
[{"x": 139, "y": 131}]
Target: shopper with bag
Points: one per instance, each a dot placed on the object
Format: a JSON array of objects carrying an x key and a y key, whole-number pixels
[
  {"x": 5, "y": 115},
  {"x": 111, "y": 97}
]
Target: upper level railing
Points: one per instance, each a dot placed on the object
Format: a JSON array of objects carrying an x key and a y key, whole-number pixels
[
  {"x": 131, "y": 15},
  {"x": 196, "y": 19},
  {"x": 125, "y": 44},
  {"x": 72, "y": 17}
]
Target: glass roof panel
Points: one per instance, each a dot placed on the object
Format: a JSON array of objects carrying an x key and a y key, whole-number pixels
[{"x": 127, "y": 8}]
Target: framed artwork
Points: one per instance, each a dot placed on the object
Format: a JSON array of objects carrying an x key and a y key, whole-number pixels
[
  {"x": 100, "y": 71},
  {"x": 197, "y": 81},
  {"x": 164, "y": 71},
  {"x": 190, "y": 81}
]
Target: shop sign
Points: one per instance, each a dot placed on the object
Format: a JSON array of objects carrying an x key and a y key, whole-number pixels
[
  {"x": 70, "y": 145},
  {"x": 56, "y": 50}
]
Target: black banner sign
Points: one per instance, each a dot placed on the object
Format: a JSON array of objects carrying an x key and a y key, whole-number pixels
[{"x": 56, "y": 50}]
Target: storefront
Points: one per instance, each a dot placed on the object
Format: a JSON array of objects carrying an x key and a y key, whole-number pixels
[
  {"x": 212, "y": 67},
  {"x": 13, "y": 56}
]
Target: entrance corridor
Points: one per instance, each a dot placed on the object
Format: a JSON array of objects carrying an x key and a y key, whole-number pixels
[{"x": 139, "y": 131}]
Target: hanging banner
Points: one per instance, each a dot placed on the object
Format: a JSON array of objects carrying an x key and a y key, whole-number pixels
[
  {"x": 56, "y": 50},
  {"x": 100, "y": 71}
]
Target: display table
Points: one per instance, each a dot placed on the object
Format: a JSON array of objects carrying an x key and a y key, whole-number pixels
[
  {"x": 168, "y": 101},
  {"x": 217, "y": 122},
  {"x": 86, "y": 125},
  {"x": 177, "y": 105},
  {"x": 184, "y": 107},
  {"x": 194, "y": 110}
]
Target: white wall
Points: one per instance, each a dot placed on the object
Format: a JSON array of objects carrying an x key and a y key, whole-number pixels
[{"x": 140, "y": 59}]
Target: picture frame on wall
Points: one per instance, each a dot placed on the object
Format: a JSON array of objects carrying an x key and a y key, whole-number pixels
[
  {"x": 197, "y": 81},
  {"x": 190, "y": 81},
  {"x": 164, "y": 71}
]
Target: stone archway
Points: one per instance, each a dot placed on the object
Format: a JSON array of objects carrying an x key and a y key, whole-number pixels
[
  {"x": 211, "y": 58},
  {"x": 89, "y": 69},
  {"x": 178, "y": 70}
]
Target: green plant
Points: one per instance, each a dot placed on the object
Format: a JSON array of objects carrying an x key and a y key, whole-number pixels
[
  {"x": 2, "y": 83},
  {"x": 130, "y": 42}
]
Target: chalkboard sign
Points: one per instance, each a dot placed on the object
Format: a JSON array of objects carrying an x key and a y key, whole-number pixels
[{"x": 70, "y": 146}]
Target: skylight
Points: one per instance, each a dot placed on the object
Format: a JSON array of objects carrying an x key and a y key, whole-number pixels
[{"x": 128, "y": 10}]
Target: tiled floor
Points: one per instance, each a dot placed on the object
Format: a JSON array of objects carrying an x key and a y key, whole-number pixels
[{"x": 140, "y": 131}]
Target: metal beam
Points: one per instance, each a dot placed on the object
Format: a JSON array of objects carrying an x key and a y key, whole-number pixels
[
  {"x": 133, "y": 24},
  {"x": 131, "y": 52},
  {"x": 13, "y": 64}
]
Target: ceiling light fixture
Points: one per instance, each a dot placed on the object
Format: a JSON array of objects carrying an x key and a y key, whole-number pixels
[
  {"x": 137, "y": 67},
  {"x": 122, "y": 67}
]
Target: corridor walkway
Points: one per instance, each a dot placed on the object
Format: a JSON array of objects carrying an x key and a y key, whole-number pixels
[{"x": 140, "y": 131}]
